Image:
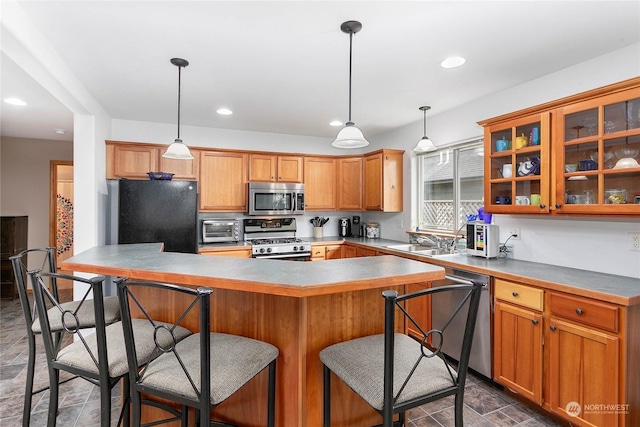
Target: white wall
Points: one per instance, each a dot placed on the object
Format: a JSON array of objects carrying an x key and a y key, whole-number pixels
[
  {"x": 599, "y": 244},
  {"x": 160, "y": 133},
  {"x": 24, "y": 182}
]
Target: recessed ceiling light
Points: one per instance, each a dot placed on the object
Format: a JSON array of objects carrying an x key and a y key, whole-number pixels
[
  {"x": 15, "y": 101},
  {"x": 60, "y": 131},
  {"x": 453, "y": 62},
  {"x": 335, "y": 123},
  {"x": 224, "y": 111}
]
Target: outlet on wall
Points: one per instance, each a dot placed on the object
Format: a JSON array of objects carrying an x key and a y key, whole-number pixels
[
  {"x": 515, "y": 232},
  {"x": 634, "y": 242}
]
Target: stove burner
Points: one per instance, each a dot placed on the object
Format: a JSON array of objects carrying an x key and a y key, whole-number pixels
[{"x": 259, "y": 233}]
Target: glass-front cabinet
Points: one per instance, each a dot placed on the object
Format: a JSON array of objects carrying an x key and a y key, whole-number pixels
[
  {"x": 597, "y": 147},
  {"x": 517, "y": 165}
]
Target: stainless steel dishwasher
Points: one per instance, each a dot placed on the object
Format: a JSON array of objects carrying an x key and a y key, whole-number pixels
[{"x": 442, "y": 305}]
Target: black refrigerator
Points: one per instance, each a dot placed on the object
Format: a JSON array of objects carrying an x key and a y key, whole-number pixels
[{"x": 159, "y": 211}]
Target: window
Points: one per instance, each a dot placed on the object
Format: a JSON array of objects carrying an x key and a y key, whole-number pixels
[{"x": 450, "y": 186}]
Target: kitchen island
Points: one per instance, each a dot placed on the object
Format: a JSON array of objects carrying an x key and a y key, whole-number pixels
[{"x": 300, "y": 307}]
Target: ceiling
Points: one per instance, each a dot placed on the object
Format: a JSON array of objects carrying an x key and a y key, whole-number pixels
[{"x": 282, "y": 66}]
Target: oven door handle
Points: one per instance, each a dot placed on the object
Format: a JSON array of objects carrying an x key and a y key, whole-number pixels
[{"x": 276, "y": 256}]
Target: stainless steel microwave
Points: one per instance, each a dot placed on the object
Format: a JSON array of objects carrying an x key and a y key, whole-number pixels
[{"x": 267, "y": 198}]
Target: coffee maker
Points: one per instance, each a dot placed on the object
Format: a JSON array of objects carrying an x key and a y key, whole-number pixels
[{"x": 344, "y": 227}]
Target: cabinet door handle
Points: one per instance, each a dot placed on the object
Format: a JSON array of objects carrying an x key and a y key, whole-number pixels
[
  {"x": 515, "y": 294},
  {"x": 579, "y": 311},
  {"x": 534, "y": 321},
  {"x": 552, "y": 327},
  {"x": 542, "y": 206},
  {"x": 558, "y": 205}
]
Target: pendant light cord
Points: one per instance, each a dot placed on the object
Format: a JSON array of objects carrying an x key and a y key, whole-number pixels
[
  {"x": 179, "y": 78},
  {"x": 425, "y": 122},
  {"x": 350, "y": 62}
]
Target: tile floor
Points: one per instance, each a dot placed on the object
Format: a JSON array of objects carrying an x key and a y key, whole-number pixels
[{"x": 485, "y": 406}]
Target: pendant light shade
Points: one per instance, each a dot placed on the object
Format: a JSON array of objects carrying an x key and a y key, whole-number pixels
[
  {"x": 350, "y": 136},
  {"x": 178, "y": 150},
  {"x": 425, "y": 144}
]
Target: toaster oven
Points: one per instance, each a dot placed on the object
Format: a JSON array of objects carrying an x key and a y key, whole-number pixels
[{"x": 220, "y": 230}]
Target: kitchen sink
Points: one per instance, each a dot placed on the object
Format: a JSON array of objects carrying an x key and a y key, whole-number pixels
[{"x": 418, "y": 249}]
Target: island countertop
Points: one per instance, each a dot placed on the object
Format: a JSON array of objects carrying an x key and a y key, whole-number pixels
[
  {"x": 270, "y": 276},
  {"x": 300, "y": 307}
]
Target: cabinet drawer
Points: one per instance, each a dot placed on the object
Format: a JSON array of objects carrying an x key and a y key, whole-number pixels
[
  {"x": 585, "y": 311},
  {"x": 519, "y": 294},
  {"x": 318, "y": 252}
]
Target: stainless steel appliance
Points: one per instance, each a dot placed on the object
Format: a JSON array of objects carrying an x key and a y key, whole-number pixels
[
  {"x": 275, "y": 238},
  {"x": 220, "y": 230},
  {"x": 483, "y": 240},
  {"x": 344, "y": 227},
  {"x": 442, "y": 305},
  {"x": 266, "y": 198}
]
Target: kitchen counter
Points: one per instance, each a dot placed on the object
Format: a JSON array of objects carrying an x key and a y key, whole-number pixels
[
  {"x": 300, "y": 307},
  {"x": 270, "y": 276},
  {"x": 621, "y": 290}
]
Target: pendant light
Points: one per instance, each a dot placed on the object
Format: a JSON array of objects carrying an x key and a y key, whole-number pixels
[
  {"x": 425, "y": 144},
  {"x": 178, "y": 150},
  {"x": 350, "y": 136}
]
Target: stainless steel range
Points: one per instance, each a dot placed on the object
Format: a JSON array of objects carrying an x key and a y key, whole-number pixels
[{"x": 275, "y": 238}]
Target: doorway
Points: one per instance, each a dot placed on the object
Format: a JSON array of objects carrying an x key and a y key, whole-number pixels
[{"x": 61, "y": 209}]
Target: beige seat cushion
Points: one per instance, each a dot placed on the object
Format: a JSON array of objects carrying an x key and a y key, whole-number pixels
[
  {"x": 360, "y": 364},
  {"x": 76, "y": 354},
  {"x": 86, "y": 315},
  {"x": 234, "y": 361}
]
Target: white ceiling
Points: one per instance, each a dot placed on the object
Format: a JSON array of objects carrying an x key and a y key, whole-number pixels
[{"x": 283, "y": 66}]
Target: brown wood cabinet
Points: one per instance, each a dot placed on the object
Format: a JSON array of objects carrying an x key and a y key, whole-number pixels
[
  {"x": 588, "y": 147},
  {"x": 350, "y": 175},
  {"x": 517, "y": 349},
  {"x": 320, "y": 183},
  {"x": 134, "y": 160},
  {"x": 535, "y": 131},
  {"x": 274, "y": 168},
  {"x": 131, "y": 160},
  {"x": 383, "y": 181},
  {"x": 223, "y": 181},
  {"x": 324, "y": 252},
  {"x": 13, "y": 237},
  {"x": 573, "y": 355},
  {"x": 360, "y": 252},
  {"x": 235, "y": 253},
  {"x": 348, "y": 252},
  {"x": 584, "y": 361},
  {"x": 348, "y": 183}
]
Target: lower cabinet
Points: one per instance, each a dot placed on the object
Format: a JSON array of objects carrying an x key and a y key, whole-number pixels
[
  {"x": 323, "y": 252},
  {"x": 360, "y": 252},
  {"x": 517, "y": 351},
  {"x": 584, "y": 361},
  {"x": 567, "y": 353},
  {"x": 237, "y": 253}
]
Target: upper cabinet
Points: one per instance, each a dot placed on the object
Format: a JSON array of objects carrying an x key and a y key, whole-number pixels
[
  {"x": 383, "y": 181},
  {"x": 320, "y": 183},
  {"x": 134, "y": 160},
  {"x": 518, "y": 165},
  {"x": 577, "y": 155},
  {"x": 350, "y": 176},
  {"x": 223, "y": 181},
  {"x": 597, "y": 155},
  {"x": 355, "y": 182},
  {"x": 273, "y": 168}
]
